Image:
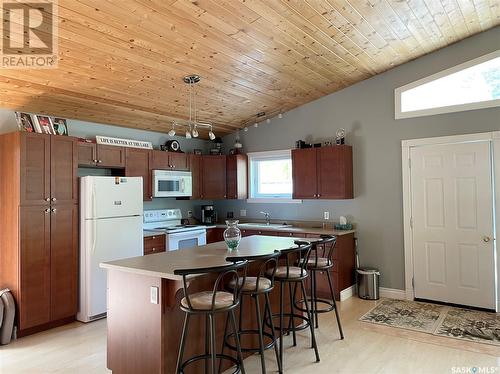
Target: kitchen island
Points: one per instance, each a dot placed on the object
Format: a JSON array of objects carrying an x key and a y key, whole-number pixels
[{"x": 144, "y": 318}]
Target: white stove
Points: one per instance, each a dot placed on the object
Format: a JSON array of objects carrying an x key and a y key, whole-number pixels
[{"x": 178, "y": 236}]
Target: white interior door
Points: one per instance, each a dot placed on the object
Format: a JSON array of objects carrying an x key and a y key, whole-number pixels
[{"x": 452, "y": 218}]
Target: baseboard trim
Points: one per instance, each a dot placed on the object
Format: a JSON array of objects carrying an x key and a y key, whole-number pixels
[
  {"x": 392, "y": 293},
  {"x": 348, "y": 293}
]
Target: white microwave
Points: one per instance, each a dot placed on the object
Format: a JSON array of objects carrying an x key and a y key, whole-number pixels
[{"x": 168, "y": 183}]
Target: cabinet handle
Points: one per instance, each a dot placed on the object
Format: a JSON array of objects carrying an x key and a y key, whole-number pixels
[
  {"x": 47, "y": 210},
  {"x": 318, "y": 195},
  {"x": 154, "y": 237},
  {"x": 54, "y": 199},
  {"x": 154, "y": 249},
  {"x": 99, "y": 161},
  {"x": 224, "y": 196},
  {"x": 95, "y": 161},
  {"x": 54, "y": 210},
  {"x": 47, "y": 199}
]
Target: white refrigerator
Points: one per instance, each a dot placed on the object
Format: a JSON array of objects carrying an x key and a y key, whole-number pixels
[{"x": 110, "y": 229}]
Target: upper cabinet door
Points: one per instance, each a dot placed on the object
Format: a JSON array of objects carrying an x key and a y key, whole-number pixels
[
  {"x": 138, "y": 161},
  {"x": 87, "y": 154},
  {"x": 335, "y": 172},
  {"x": 160, "y": 160},
  {"x": 214, "y": 177},
  {"x": 110, "y": 156},
  {"x": 35, "y": 169},
  {"x": 179, "y": 161},
  {"x": 63, "y": 169},
  {"x": 304, "y": 173},
  {"x": 195, "y": 167},
  {"x": 237, "y": 177}
]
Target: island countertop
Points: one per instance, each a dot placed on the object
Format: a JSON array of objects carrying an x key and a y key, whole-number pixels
[{"x": 164, "y": 264}]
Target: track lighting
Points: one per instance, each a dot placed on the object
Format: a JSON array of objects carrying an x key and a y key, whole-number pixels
[
  {"x": 172, "y": 131},
  {"x": 280, "y": 115},
  {"x": 195, "y": 132},
  {"x": 256, "y": 124},
  {"x": 268, "y": 121},
  {"x": 188, "y": 134},
  {"x": 245, "y": 129},
  {"x": 211, "y": 135}
]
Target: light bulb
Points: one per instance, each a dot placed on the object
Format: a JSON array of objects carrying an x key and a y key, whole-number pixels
[
  {"x": 188, "y": 134},
  {"x": 211, "y": 135},
  {"x": 245, "y": 129},
  {"x": 280, "y": 115},
  {"x": 237, "y": 144},
  {"x": 195, "y": 132},
  {"x": 268, "y": 120},
  {"x": 171, "y": 132},
  {"x": 255, "y": 124}
]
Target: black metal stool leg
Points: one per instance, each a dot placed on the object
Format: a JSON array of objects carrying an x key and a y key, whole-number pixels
[
  {"x": 270, "y": 316},
  {"x": 223, "y": 342},
  {"x": 261, "y": 336},
  {"x": 292, "y": 312},
  {"x": 335, "y": 305},
  {"x": 315, "y": 313},
  {"x": 311, "y": 325},
  {"x": 207, "y": 340},
  {"x": 183, "y": 342},
  {"x": 213, "y": 349},
  {"x": 237, "y": 338},
  {"x": 281, "y": 324}
]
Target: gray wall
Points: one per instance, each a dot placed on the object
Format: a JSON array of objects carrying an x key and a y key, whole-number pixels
[
  {"x": 366, "y": 110},
  {"x": 90, "y": 130}
]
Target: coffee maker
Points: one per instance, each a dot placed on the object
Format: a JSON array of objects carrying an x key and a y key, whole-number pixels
[{"x": 208, "y": 215}]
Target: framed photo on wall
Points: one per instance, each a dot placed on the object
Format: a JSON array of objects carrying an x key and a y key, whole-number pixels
[
  {"x": 60, "y": 126},
  {"x": 44, "y": 123},
  {"x": 24, "y": 122}
]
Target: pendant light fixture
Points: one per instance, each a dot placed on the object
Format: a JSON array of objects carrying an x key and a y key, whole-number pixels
[
  {"x": 172, "y": 131},
  {"x": 194, "y": 125}
]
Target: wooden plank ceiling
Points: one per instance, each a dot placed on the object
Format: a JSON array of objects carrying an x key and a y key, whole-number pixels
[{"x": 122, "y": 61}]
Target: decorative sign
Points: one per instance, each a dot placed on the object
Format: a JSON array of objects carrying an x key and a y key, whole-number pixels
[{"x": 106, "y": 140}]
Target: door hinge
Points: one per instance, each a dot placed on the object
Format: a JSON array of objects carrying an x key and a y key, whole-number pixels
[{"x": 411, "y": 222}]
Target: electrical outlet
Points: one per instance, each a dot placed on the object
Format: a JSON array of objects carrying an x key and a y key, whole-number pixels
[
  {"x": 190, "y": 214},
  {"x": 154, "y": 295},
  {"x": 243, "y": 213},
  {"x": 326, "y": 215}
]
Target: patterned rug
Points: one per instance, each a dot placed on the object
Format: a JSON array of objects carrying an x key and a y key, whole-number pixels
[{"x": 440, "y": 320}]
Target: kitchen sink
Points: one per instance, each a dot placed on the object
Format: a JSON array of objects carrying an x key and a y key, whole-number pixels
[{"x": 263, "y": 225}]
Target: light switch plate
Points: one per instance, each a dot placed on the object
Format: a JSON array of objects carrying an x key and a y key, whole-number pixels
[
  {"x": 243, "y": 213},
  {"x": 326, "y": 215},
  {"x": 154, "y": 295},
  {"x": 190, "y": 214}
]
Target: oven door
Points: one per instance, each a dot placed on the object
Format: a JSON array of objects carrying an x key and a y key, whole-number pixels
[
  {"x": 186, "y": 239},
  {"x": 172, "y": 184}
]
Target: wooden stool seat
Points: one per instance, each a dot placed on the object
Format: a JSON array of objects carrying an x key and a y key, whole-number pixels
[
  {"x": 292, "y": 272},
  {"x": 319, "y": 263}
]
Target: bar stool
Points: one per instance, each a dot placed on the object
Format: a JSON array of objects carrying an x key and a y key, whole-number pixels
[
  {"x": 254, "y": 287},
  {"x": 209, "y": 303},
  {"x": 321, "y": 260},
  {"x": 295, "y": 275}
]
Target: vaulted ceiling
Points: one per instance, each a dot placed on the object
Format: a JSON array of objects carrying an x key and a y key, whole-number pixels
[{"x": 122, "y": 61}]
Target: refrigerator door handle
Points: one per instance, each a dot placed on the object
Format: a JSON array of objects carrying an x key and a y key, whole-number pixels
[{"x": 94, "y": 221}]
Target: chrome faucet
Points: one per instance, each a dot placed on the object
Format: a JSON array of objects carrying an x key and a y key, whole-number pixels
[{"x": 268, "y": 217}]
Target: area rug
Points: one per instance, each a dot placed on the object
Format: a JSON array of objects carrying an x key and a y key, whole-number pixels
[{"x": 439, "y": 320}]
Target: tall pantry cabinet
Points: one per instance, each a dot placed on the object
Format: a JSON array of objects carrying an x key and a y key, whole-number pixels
[{"x": 39, "y": 227}]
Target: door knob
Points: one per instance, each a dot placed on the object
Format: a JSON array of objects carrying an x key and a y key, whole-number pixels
[{"x": 486, "y": 239}]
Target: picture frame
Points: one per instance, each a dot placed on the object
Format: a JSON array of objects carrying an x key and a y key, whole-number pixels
[
  {"x": 44, "y": 124},
  {"x": 60, "y": 126},
  {"x": 24, "y": 122}
]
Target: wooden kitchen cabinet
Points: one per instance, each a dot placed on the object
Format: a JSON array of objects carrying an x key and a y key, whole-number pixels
[
  {"x": 105, "y": 156},
  {"x": 195, "y": 165},
  {"x": 39, "y": 228},
  {"x": 154, "y": 244},
  {"x": 236, "y": 169},
  {"x": 213, "y": 171},
  {"x": 162, "y": 160},
  {"x": 215, "y": 234},
  {"x": 138, "y": 162},
  {"x": 322, "y": 173}
]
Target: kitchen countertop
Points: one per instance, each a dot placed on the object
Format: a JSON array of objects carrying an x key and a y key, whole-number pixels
[
  {"x": 294, "y": 229},
  {"x": 164, "y": 264}
]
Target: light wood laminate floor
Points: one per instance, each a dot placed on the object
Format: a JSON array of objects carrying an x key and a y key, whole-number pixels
[{"x": 81, "y": 348}]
